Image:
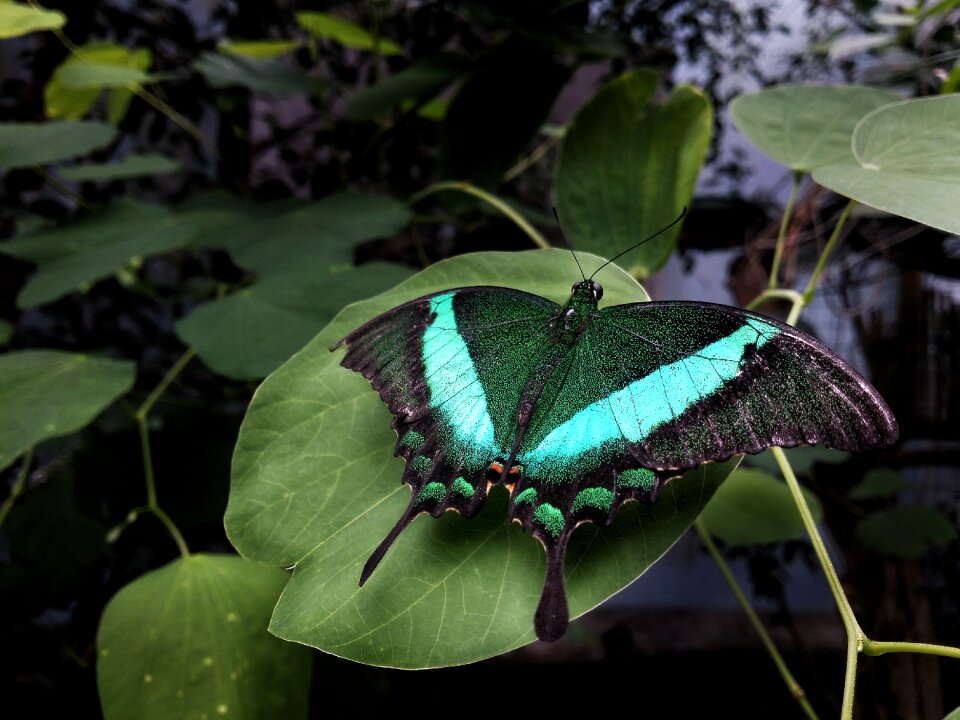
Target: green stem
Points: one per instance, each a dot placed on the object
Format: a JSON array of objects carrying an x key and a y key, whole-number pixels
[
  {"x": 878, "y": 647},
  {"x": 855, "y": 635},
  {"x": 141, "y": 416},
  {"x": 827, "y": 251},
  {"x": 532, "y": 159},
  {"x": 784, "y": 224},
  {"x": 19, "y": 485},
  {"x": 488, "y": 198},
  {"x": 773, "y": 293},
  {"x": 63, "y": 189},
  {"x": 792, "y": 685}
]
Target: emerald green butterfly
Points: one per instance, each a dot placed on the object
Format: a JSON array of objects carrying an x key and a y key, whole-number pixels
[{"x": 576, "y": 410}]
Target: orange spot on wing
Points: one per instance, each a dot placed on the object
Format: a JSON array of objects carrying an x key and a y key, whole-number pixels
[{"x": 496, "y": 467}]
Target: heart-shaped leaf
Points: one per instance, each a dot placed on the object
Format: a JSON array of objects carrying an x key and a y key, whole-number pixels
[
  {"x": 806, "y": 126},
  {"x": 190, "y": 641},
  {"x": 315, "y": 484},
  {"x": 903, "y": 162},
  {"x": 47, "y": 393},
  {"x": 628, "y": 166},
  {"x": 17, "y": 19},
  {"x": 30, "y": 144},
  {"x": 753, "y": 507}
]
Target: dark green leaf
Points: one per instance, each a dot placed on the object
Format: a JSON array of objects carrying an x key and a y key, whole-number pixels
[
  {"x": 419, "y": 81},
  {"x": 479, "y": 140},
  {"x": 879, "y": 482},
  {"x": 251, "y": 332},
  {"x": 628, "y": 167},
  {"x": 46, "y": 393},
  {"x": 752, "y": 507},
  {"x": 17, "y": 19},
  {"x": 260, "y": 75},
  {"x": 93, "y": 247},
  {"x": 348, "y": 34},
  {"x": 133, "y": 165},
  {"x": 189, "y": 641},
  {"x": 902, "y": 162},
  {"x": 315, "y": 484},
  {"x": 905, "y": 531},
  {"x": 805, "y": 126},
  {"x": 29, "y": 144},
  {"x": 6, "y": 331}
]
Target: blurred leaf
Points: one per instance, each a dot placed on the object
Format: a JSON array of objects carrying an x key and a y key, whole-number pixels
[
  {"x": 17, "y": 19},
  {"x": 250, "y": 333},
  {"x": 435, "y": 110},
  {"x": 47, "y": 393},
  {"x": 847, "y": 45},
  {"x": 78, "y": 81},
  {"x": 315, "y": 484},
  {"x": 879, "y": 482},
  {"x": 133, "y": 165},
  {"x": 905, "y": 531},
  {"x": 802, "y": 459},
  {"x": 752, "y": 507},
  {"x": 260, "y": 75},
  {"x": 330, "y": 27},
  {"x": 628, "y": 166},
  {"x": 29, "y": 144},
  {"x": 954, "y": 715},
  {"x": 420, "y": 80},
  {"x": 952, "y": 83},
  {"x": 94, "y": 247},
  {"x": 262, "y": 49},
  {"x": 190, "y": 641},
  {"x": 805, "y": 126},
  {"x": 902, "y": 162},
  {"x": 84, "y": 75},
  {"x": 6, "y": 332},
  {"x": 322, "y": 233},
  {"x": 479, "y": 142}
]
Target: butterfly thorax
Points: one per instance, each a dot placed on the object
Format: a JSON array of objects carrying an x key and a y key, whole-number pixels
[{"x": 573, "y": 318}]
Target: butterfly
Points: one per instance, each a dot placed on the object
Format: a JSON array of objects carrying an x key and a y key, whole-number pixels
[{"x": 577, "y": 410}]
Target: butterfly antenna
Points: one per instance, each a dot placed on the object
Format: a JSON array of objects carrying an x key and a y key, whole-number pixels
[
  {"x": 634, "y": 247},
  {"x": 567, "y": 241}
]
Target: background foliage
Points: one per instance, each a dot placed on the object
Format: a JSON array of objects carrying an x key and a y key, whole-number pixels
[{"x": 191, "y": 195}]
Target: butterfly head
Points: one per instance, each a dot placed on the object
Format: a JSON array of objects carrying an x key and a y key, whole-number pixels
[{"x": 589, "y": 290}]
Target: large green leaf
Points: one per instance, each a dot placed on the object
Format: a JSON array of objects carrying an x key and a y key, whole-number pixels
[
  {"x": 421, "y": 80},
  {"x": 93, "y": 247},
  {"x": 17, "y": 19},
  {"x": 251, "y": 332},
  {"x": 315, "y": 484},
  {"x": 479, "y": 142},
  {"x": 260, "y": 75},
  {"x": 46, "y": 393},
  {"x": 330, "y": 27},
  {"x": 905, "y": 531},
  {"x": 628, "y": 167},
  {"x": 753, "y": 507},
  {"x": 78, "y": 81},
  {"x": 190, "y": 641},
  {"x": 30, "y": 144},
  {"x": 133, "y": 165},
  {"x": 806, "y": 126},
  {"x": 903, "y": 162}
]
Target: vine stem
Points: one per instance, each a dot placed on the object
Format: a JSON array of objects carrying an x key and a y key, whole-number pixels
[
  {"x": 533, "y": 158},
  {"x": 792, "y": 685},
  {"x": 782, "y": 235},
  {"x": 827, "y": 251},
  {"x": 19, "y": 485},
  {"x": 855, "y": 636},
  {"x": 490, "y": 199},
  {"x": 879, "y": 647},
  {"x": 63, "y": 189},
  {"x": 142, "y": 418}
]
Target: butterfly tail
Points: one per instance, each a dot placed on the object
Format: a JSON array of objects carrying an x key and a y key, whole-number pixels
[
  {"x": 385, "y": 544},
  {"x": 553, "y": 615}
]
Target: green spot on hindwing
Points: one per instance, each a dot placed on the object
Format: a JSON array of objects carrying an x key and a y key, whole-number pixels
[
  {"x": 550, "y": 518},
  {"x": 463, "y": 487},
  {"x": 432, "y": 491},
  {"x": 527, "y": 496},
  {"x": 422, "y": 464},
  {"x": 412, "y": 440},
  {"x": 642, "y": 478},
  {"x": 595, "y": 497}
]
